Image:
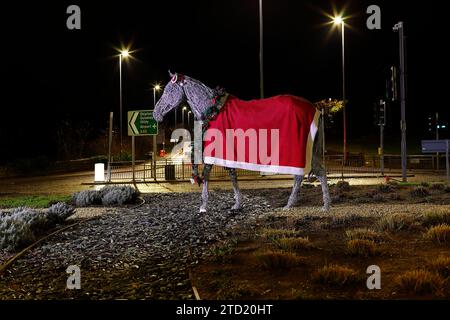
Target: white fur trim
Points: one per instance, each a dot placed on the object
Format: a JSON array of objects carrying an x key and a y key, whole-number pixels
[{"x": 254, "y": 166}]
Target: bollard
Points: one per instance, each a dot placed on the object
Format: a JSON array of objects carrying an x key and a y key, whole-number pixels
[{"x": 99, "y": 172}]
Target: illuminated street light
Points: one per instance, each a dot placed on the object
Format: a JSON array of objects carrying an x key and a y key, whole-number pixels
[
  {"x": 338, "y": 20},
  {"x": 189, "y": 116},
  {"x": 182, "y": 114},
  {"x": 124, "y": 53}
]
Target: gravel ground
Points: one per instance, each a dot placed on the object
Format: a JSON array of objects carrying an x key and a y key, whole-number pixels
[{"x": 124, "y": 253}]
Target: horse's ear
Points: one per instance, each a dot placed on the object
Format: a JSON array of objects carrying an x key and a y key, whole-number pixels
[{"x": 174, "y": 77}]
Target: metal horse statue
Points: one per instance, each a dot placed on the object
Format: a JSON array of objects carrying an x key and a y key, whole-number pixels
[{"x": 203, "y": 103}]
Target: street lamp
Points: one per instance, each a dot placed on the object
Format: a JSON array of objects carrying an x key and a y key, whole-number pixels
[
  {"x": 189, "y": 117},
  {"x": 182, "y": 114},
  {"x": 123, "y": 55},
  {"x": 156, "y": 88},
  {"x": 338, "y": 20}
]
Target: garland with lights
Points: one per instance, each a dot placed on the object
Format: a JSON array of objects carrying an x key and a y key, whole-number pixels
[{"x": 210, "y": 114}]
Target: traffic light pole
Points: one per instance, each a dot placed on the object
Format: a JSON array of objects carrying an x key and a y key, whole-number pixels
[
  {"x": 437, "y": 138},
  {"x": 382, "y": 124},
  {"x": 399, "y": 28}
]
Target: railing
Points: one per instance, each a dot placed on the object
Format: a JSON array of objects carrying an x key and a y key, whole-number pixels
[{"x": 173, "y": 170}]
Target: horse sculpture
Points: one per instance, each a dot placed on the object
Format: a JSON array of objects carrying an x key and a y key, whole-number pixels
[{"x": 294, "y": 122}]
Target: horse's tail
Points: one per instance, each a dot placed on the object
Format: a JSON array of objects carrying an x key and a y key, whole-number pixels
[{"x": 317, "y": 161}]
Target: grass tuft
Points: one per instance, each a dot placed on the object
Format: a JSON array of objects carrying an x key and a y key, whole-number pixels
[
  {"x": 270, "y": 233},
  {"x": 335, "y": 275},
  {"x": 419, "y": 282},
  {"x": 435, "y": 217},
  {"x": 441, "y": 266},
  {"x": 275, "y": 260},
  {"x": 359, "y": 247},
  {"x": 439, "y": 233},
  {"x": 395, "y": 222},
  {"x": 419, "y": 192},
  {"x": 292, "y": 244},
  {"x": 364, "y": 234}
]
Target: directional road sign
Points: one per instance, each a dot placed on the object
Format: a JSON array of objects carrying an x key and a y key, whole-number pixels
[{"x": 141, "y": 123}]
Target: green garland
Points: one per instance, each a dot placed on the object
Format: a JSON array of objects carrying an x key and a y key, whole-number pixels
[{"x": 210, "y": 114}]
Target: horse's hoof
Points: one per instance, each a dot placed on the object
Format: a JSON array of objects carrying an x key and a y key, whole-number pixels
[
  {"x": 287, "y": 208},
  {"x": 325, "y": 208},
  {"x": 202, "y": 210},
  {"x": 235, "y": 207}
]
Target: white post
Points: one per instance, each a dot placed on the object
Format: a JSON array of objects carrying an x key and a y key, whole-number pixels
[{"x": 99, "y": 175}]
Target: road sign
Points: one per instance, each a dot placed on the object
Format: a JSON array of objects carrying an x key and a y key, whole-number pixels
[
  {"x": 433, "y": 146},
  {"x": 141, "y": 123}
]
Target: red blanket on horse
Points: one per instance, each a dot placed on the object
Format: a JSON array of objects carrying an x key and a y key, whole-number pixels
[{"x": 271, "y": 135}]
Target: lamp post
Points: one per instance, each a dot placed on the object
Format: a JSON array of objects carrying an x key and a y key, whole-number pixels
[
  {"x": 338, "y": 20},
  {"x": 399, "y": 28},
  {"x": 261, "y": 69},
  {"x": 156, "y": 88},
  {"x": 182, "y": 115},
  {"x": 123, "y": 55},
  {"x": 189, "y": 117}
]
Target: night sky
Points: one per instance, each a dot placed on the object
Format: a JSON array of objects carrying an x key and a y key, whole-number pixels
[{"x": 54, "y": 74}]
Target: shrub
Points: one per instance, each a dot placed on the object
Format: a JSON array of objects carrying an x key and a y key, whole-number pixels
[
  {"x": 342, "y": 186},
  {"x": 20, "y": 228},
  {"x": 364, "y": 234},
  {"x": 86, "y": 198},
  {"x": 395, "y": 196},
  {"x": 24, "y": 225},
  {"x": 118, "y": 195},
  {"x": 419, "y": 282},
  {"x": 419, "y": 192},
  {"x": 439, "y": 233},
  {"x": 275, "y": 260},
  {"x": 294, "y": 243},
  {"x": 377, "y": 197},
  {"x": 441, "y": 265},
  {"x": 447, "y": 189},
  {"x": 424, "y": 184},
  {"x": 359, "y": 247},
  {"x": 385, "y": 188},
  {"x": 109, "y": 195},
  {"x": 335, "y": 275},
  {"x": 59, "y": 212},
  {"x": 395, "y": 222}
]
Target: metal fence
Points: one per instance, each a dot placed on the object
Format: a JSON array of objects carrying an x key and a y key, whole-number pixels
[{"x": 172, "y": 170}]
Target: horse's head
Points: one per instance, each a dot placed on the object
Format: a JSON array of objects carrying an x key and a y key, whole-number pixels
[{"x": 172, "y": 96}]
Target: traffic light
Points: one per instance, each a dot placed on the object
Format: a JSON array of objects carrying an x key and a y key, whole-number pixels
[
  {"x": 431, "y": 123},
  {"x": 382, "y": 114}
]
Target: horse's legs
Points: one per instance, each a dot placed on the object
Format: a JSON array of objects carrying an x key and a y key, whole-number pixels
[
  {"x": 206, "y": 171},
  {"x": 325, "y": 192},
  {"x": 294, "y": 194},
  {"x": 237, "y": 192}
]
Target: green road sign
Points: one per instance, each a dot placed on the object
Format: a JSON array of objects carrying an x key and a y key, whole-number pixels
[{"x": 141, "y": 123}]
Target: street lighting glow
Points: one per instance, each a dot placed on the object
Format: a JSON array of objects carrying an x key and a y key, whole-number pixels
[
  {"x": 337, "y": 20},
  {"x": 157, "y": 87},
  {"x": 124, "y": 53},
  {"x": 184, "y": 108}
]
